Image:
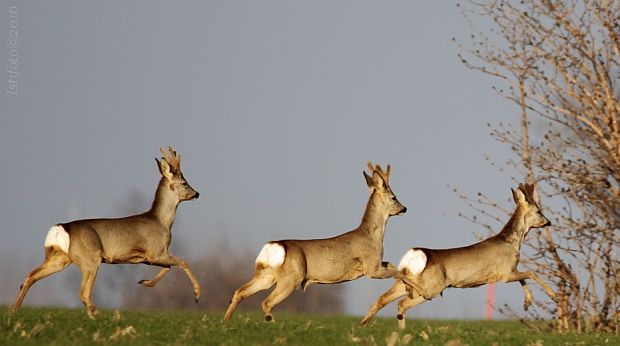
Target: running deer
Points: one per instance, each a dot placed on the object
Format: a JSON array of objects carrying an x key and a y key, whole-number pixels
[
  {"x": 142, "y": 238},
  {"x": 297, "y": 263},
  {"x": 491, "y": 260}
]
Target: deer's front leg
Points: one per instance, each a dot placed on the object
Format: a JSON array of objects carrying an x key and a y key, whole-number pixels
[
  {"x": 388, "y": 270},
  {"x": 383, "y": 271},
  {"x": 167, "y": 261},
  {"x": 521, "y": 276},
  {"x": 528, "y": 295},
  {"x": 152, "y": 282}
]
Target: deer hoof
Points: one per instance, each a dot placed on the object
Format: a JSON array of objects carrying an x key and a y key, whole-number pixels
[
  {"x": 92, "y": 312},
  {"x": 146, "y": 283},
  {"x": 526, "y": 304},
  {"x": 268, "y": 318}
]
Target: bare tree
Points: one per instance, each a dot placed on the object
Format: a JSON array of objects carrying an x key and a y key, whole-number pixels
[{"x": 559, "y": 63}]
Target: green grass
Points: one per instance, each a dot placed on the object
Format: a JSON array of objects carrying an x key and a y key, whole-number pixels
[{"x": 55, "y": 326}]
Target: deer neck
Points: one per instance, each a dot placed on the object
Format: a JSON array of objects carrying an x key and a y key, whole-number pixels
[
  {"x": 374, "y": 219},
  {"x": 514, "y": 231},
  {"x": 165, "y": 204}
]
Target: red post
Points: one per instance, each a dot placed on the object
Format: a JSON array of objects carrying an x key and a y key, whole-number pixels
[{"x": 490, "y": 305}]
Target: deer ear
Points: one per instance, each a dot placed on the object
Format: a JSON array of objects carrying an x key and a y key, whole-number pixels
[
  {"x": 368, "y": 180},
  {"x": 518, "y": 196},
  {"x": 164, "y": 168}
]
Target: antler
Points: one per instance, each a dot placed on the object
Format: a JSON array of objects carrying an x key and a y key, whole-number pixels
[
  {"x": 173, "y": 159},
  {"x": 384, "y": 174},
  {"x": 528, "y": 191}
]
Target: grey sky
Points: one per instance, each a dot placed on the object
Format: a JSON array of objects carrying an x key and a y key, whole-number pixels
[{"x": 275, "y": 107}]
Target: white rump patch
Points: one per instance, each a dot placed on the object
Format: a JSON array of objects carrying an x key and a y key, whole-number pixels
[
  {"x": 414, "y": 260},
  {"x": 272, "y": 255},
  {"x": 58, "y": 237}
]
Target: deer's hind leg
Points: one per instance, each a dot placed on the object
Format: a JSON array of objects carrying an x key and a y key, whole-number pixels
[
  {"x": 262, "y": 280},
  {"x": 396, "y": 291},
  {"x": 89, "y": 268},
  {"x": 284, "y": 287},
  {"x": 406, "y": 304},
  {"x": 288, "y": 278},
  {"x": 55, "y": 261}
]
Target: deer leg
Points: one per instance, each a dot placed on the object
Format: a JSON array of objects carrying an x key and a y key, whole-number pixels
[
  {"x": 384, "y": 271},
  {"x": 528, "y": 295},
  {"x": 89, "y": 274},
  {"x": 521, "y": 276},
  {"x": 396, "y": 291},
  {"x": 152, "y": 282},
  {"x": 168, "y": 261},
  {"x": 412, "y": 288},
  {"x": 54, "y": 262},
  {"x": 404, "y": 305},
  {"x": 388, "y": 270},
  {"x": 261, "y": 281},
  {"x": 283, "y": 289}
]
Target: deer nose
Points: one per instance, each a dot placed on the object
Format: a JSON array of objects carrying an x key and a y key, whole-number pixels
[
  {"x": 197, "y": 194},
  {"x": 548, "y": 223},
  {"x": 404, "y": 210}
]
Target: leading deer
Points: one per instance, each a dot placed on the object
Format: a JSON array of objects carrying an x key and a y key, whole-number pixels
[
  {"x": 491, "y": 260},
  {"x": 142, "y": 238},
  {"x": 297, "y": 263}
]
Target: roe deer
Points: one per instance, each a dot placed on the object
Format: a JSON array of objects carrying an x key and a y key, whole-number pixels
[
  {"x": 293, "y": 263},
  {"x": 491, "y": 260},
  {"x": 142, "y": 238}
]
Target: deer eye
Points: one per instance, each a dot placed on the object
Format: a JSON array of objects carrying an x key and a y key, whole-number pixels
[
  {"x": 184, "y": 183},
  {"x": 393, "y": 198}
]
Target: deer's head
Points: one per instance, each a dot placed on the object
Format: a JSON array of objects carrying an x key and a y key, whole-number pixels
[
  {"x": 528, "y": 204},
  {"x": 384, "y": 197},
  {"x": 170, "y": 168}
]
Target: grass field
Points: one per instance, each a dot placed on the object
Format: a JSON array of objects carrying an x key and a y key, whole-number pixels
[{"x": 55, "y": 326}]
